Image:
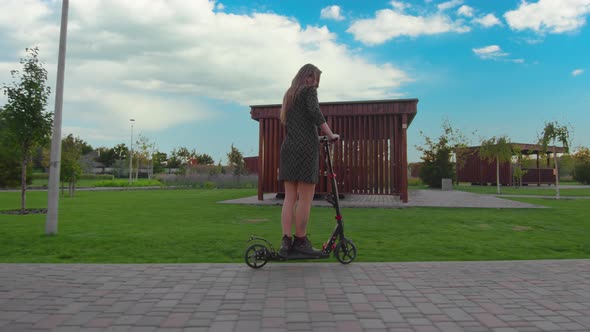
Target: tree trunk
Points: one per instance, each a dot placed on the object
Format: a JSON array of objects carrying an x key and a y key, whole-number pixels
[
  {"x": 498, "y": 175},
  {"x": 23, "y": 184},
  {"x": 72, "y": 187},
  {"x": 556, "y": 173}
]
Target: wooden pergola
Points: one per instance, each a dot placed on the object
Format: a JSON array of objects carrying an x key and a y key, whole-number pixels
[
  {"x": 370, "y": 159},
  {"x": 481, "y": 172}
]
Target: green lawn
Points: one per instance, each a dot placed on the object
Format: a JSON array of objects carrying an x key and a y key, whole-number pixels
[
  {"x": 528, "y": 190},
  {"x": 160, "y": 226},
  {"x": 102, "y": 183}
]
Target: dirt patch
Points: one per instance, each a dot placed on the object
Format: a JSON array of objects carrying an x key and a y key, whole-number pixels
[
  {"x": 484, "y": 226},
  {"x": 522, "y": 228}
]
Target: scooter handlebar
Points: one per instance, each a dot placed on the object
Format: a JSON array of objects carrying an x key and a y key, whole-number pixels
[{"x": 325, "y": 139}]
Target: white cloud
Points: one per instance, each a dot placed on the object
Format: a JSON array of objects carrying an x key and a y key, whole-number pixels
[
  {"x": 449, "y": 4},
  {"x": 489, "y": 52},
  {"x": 389, "y": 24},
  {"x": 332, "y": 12},
  {"x": 220, "y": 6},
  {"x": 165, "y": 65},
  {"x": 22, "y": 12},
  {"x": 465, "y": 11},
  {"x": 549, "y": 15},
  {"x": 494, "y": 52},
  {"x": 577, "y": 72},
  {"x": 400, "y": 6},
  {"x": 488, "y": 21}
]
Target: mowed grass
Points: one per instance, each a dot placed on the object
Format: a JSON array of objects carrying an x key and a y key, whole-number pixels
[
  {"x": 527, "y": 190},
  {"x": 189, "y": 226},
  {"x": 102, "y": 183}
]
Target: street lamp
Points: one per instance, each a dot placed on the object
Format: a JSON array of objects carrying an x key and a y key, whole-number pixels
[
  {"x": 131, "y": 153},
  {"x": 55, "y": 157}
]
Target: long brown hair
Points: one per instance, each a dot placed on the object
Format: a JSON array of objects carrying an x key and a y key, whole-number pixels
[{"x": 299, "y": 82}]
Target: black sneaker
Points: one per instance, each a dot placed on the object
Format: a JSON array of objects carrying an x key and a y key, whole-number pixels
[
  {"x": 303, "y": 245},
  {"x": 286, "y": 246}
]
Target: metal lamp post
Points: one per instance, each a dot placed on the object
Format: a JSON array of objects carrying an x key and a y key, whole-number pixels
[
  {"x": 55, "y": 158},
  {"x": 131, "y": 154}
]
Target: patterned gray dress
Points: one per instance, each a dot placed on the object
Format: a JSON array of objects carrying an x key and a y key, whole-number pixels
[{"x": 300, "y": 150}]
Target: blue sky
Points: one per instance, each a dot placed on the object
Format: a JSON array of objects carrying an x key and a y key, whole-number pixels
[{"x": 187, "y": 71}]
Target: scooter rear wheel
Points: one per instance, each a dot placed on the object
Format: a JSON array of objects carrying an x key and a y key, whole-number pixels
[
  {"x": 345, "y": 251},
  {"x": 256, "y": 256}
]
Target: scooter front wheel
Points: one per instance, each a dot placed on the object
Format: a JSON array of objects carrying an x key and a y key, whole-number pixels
[
  {"x": 345, "y": 251},
  {"x": 256, "y": 256}
]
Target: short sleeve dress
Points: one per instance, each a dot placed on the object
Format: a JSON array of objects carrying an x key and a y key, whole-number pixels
[{"x": 300, "y": 150}]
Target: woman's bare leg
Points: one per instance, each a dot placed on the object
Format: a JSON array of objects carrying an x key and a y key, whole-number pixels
[
  {"x": 287, "y": 213},
  {"x": 306, "y": 192}
]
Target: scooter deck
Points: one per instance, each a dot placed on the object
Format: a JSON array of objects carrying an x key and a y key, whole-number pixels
[{"x": 299, "y": 256}]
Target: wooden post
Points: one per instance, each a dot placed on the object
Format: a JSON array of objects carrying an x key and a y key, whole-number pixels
[
  {"x": 538, "y": 171},
  {"x": 404, "y": 160},
  {"x": 260, "y": 160}
]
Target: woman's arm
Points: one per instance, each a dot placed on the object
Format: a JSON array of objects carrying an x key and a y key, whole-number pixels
[{"x": 328, "y": 132}]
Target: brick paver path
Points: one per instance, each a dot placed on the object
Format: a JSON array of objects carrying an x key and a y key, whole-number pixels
[
  {"x": 431, "y": 198},
  {"x": 462, "y": 296}
]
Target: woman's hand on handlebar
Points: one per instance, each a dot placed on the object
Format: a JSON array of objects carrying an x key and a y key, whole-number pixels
[
  {"x": 334, "y": 137},
  {"x": 329, "y": 138}
]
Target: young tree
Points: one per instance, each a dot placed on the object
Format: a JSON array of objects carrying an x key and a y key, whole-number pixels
[
  {"x": 10, "y": 173},
  {"x": 144, "y": 151},
  {"x": 120, "y": 164},
  {"x": 236, "y": 160},
  {"x": 459, "y": 142},
  {"x": 106, "y": 156},
  {"x": 204, "y": 159},
  {"x": 553, "y": 133},
  {"x": 71, "y": 152},
  {"x": 499, "y": 149},
  {"x": 437, "y": 164},
  {"x": 181, "y": 158},
  {"x": 159, "y": 160},
  {"x": 174, "y": 159},
  {"x": 27, "y": 123},
  {"x": 121, "y": 151}
]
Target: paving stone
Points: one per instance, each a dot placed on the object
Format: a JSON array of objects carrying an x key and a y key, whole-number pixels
[{"x": 423, "y": 296}]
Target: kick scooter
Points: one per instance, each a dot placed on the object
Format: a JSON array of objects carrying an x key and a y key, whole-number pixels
[{"x": 262, "y": 251}]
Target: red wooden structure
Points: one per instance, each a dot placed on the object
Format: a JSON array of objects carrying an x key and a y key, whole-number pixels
[
  {"x": 371, "y": 157},
  {"x": 478, "y": 171},
  {"x": 251, "y": 164}
]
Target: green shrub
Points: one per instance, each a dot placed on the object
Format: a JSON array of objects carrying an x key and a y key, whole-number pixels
[
  {"x": 220, "y": 181},
  {"x": 433, "y": 171},
  {"x": 415, "y": 182},
  {"x": 38, "y": 176},
  {"x": 209, "y": 185},
  {"x": 86, "y": 176},
  {"x": 247, "y": 185},
  {"x": 125, "y": 183},
  {"x": 582, "y": 172},
  {"x": 10, "y": 173}
]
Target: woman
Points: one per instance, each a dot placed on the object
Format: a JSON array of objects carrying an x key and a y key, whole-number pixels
[{"x": 299, "y": 163}]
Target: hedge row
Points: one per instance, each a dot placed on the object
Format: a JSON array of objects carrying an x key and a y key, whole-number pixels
[{"x": 36, "y": 176}]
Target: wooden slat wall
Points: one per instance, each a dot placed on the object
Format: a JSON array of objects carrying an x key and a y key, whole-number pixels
[
  {"x": 370, "y": 159},
  {"x": 477, "y": 171}
]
